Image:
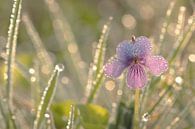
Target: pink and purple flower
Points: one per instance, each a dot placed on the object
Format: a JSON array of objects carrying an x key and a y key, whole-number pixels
[{"x": 136, "y": 57}]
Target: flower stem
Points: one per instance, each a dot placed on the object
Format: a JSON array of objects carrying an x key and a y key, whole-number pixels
[{"x": 136, "y": 109}]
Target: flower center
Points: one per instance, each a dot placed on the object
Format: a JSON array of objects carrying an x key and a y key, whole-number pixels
[{"x": 136, "y": 61}]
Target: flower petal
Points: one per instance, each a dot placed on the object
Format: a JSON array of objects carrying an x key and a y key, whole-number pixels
[
  {"x": 157, "y": 65},
  {"x": 124, "y": 50},
  {"x": 128, "y": 50},
  {"x": 142, "y": 47},
  {"x": 114, "y": 68},
  {"x": 136, "y": 76}
]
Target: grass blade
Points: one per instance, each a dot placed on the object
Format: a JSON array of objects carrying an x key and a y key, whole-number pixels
[
  {"x": 11, "y": 45},
  {"x": 97, "y": 73},
  {"x": 101, "y": 48},
  {"x": 96, "y": 86},
  {"x": 71, "y": 118},
  {"x": 168, "y": 88},
  {"x": 183, "y": 39},
  {"x": 181, "y": 115},
  {"x": 67, "y": 42},
  {"x": 3, "y": 113},
  {"x": 11, "y": 51},
  {"x": 41, "y": 52},
  {"x": 47, "y": 97},
  {"x": 166, "y": 22}
]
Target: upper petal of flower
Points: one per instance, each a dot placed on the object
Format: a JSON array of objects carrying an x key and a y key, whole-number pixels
[
  {"x": 140, "y": 48},
  {"x": 136, "y": 76},
  {"x": 124, "y": 51},
  {"x": 157, "y": 65},
  {"x": 114, "y": 68}
]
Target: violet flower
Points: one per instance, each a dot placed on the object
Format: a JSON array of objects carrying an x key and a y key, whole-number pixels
[{"x": 136, "y": 56}]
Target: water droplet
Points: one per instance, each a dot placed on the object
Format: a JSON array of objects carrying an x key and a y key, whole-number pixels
[
  {"x": 179, "y": 80},
  {"x": 59, "y": 67},
  {"x": 47, "y": 115},
  {"x": 65, "y": 80},
  {"x": 145, "y": 117},
  {"x": 31, "y": 71},
  {"x": 33, "y": 79},
  {"x": 192, "y": 57},
  {"x": 119, "y": 92},
  {"x": 13, "y": 117}
]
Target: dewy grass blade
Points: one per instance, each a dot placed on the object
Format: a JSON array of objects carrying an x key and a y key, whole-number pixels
[
  {"x": 12, "y": 118},
  {"x": 89, "y": 81},
  {"x": 101, "y": 48},
  {"x": 181, "y": 115},
  {"x": 71, "y": 118},
  {"x": 67, "y": 42},
  {"x": 183, "y": 39},
  {"x": 166, "y": 22},
  {"x": 180, "y": 21},
  {"x": 41, "y": 52},
  {"x": 47, "y": 97},
  {"x": 3, "y": 114},
  {"x": 11, "y": 46},
  {"x": 159, "y": 100},
  {"x": 96, "y": 69},
  {"x": 49, "y": 121},
  {"x": 20, "y": 67},
  {"x": 96, "y": 85}
]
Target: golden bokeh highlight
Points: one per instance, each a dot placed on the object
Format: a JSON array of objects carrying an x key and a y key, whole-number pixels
[
  {"x": 191, "y": 57},
  {"x": 128, "y": 21},
  {"x": 110, "y": 85}
]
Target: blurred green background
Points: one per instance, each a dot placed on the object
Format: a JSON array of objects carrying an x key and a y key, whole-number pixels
[{"x": 86, "y": 19}]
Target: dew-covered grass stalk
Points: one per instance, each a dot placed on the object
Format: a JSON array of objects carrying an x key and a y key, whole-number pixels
[
  {"x": 67, "y": 42},
  {"x": 11, "y": 46},
  {"x": 38, "y": 44},
  {"x": 71, "y": 118},
  {"x": 47, "y": 97},
  {"x": 96, "y": 71}
]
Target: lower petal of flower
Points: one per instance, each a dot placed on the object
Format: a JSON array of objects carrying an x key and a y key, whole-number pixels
[{"x": 136, "y": 76}]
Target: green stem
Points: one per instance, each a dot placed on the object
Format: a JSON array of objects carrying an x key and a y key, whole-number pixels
[{"x": 136, "y": 109}]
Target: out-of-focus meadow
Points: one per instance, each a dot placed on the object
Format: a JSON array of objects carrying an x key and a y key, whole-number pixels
[{"x": 81, "y": 35}]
